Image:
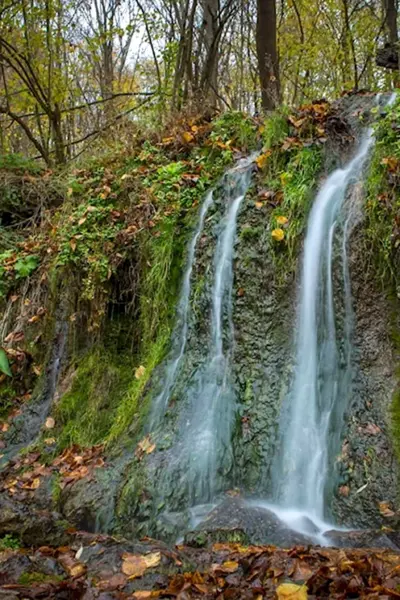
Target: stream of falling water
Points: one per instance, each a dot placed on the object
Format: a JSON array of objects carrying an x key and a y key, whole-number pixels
[
  {"x": 208, "y": 403},
  {"x": 179, "y": 339},
  {"x": 312, "y": 417}
]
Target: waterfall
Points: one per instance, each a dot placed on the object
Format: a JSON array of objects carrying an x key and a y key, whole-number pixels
[
  {"x": 313, "y": 413},
  {"x": 179, "y": 338},
  {"x": 207, "y": 402}
]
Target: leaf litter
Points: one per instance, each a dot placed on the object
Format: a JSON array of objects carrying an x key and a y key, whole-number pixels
[{"x": 148, "y": 569}]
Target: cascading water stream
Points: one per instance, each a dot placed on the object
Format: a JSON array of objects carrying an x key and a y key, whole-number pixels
[
  {"x": 179, "y": 339},
  {"x": 312, "y": 418},
  {"x": 208, "y": 402}
]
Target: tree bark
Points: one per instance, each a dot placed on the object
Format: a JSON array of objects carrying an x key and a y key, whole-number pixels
[
  {"x": 267, "y": 53},
  {"x": 391, "y": 21}
]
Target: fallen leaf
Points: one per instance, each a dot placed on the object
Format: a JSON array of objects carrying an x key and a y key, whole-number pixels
[
  {"x": 385, "y": 510},
  {"x": 145, "y": 446},
  {"x": 372, "y": 429},
  {"x": 140, "y": 371},
  {"x": 291, "y": 591},
  {"x": 278, "y": 234},
  {"x": 261, "y": 160},
  {"x": 281, "y": 220},
  {"x": 187, "y": 137},
  {"x": 135, "y": 565},
  {"x": 230, "y": 566},
  {"x": 50, "y": 423}
]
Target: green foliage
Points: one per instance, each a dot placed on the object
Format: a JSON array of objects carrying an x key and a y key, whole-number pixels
[
  {"x": 292, "y": 176},
  {"x": 276, "y": 128},
  {"x": 9, "y": 542},
  {"x": 163, "y": 256},
  {"x": 25, "y": 266},
  {"x": 235, "y": 129},
  {"x": 4, "y": 364},
  {"x": 20, "y": 163},
  {"x": 383, "y": 196}
]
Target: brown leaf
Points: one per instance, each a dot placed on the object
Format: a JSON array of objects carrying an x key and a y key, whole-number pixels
[
  {"x": 116, "y": 581},
  {"x": 385, "y": 510},
  {"x": 372, "y": 429},
  {"x": 135, "y": 565}
]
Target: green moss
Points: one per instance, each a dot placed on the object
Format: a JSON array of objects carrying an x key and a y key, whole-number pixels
[
  {"x": 37, "y": 577},
  {"x": 293, "y": 177},
  {"x": 383, "y": 197},
  {"x": 86, "y": 413},
  {"x": 395, "y": 421}
]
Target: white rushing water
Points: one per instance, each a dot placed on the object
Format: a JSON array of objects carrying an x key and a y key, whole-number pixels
[
  {"x": 179, "y": 337},
  {"x": 208, "y": 402},
  {"x": 312, "y": 418},
  {"x": 209, "y": 426}
]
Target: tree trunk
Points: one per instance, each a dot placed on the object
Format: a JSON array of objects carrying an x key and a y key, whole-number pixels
[
  {"x": 211, "y": 42},
  {"x": 391, "y": 21},
  {"x": 267, "y": 53}
]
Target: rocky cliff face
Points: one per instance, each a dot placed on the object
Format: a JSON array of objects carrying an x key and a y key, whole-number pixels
[{"x": 129, "y": 493}]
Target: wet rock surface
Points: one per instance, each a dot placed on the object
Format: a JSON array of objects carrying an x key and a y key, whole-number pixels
[{"x": 237, "y": 520}]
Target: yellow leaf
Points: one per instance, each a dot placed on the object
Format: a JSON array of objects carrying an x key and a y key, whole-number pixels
[
  {"x": 281, "y": 220},
  {"x": 230, "y": 566},
  {"x": 140, "y": 371},
  {"x": 152, "y": 560},
  {"x": 261, "y": 160},
  {"x": 258, "y": 204},
  {"x": 291, "y": 591},
  {"x": 187, "y": 136},
  {"x": 278, "y": 234},
  {"x": 35, "y": 483},
  {"x": 72, "y": 243}
]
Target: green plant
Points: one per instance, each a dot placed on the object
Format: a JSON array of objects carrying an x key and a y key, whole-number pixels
[
  {"x": 383, "y": 198},
  {"x": 25, "y": 266},
  {"x": 9, "y": 542},
  {"x": 276, "y": 128},
  {"x": 235, "y": 129}
]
